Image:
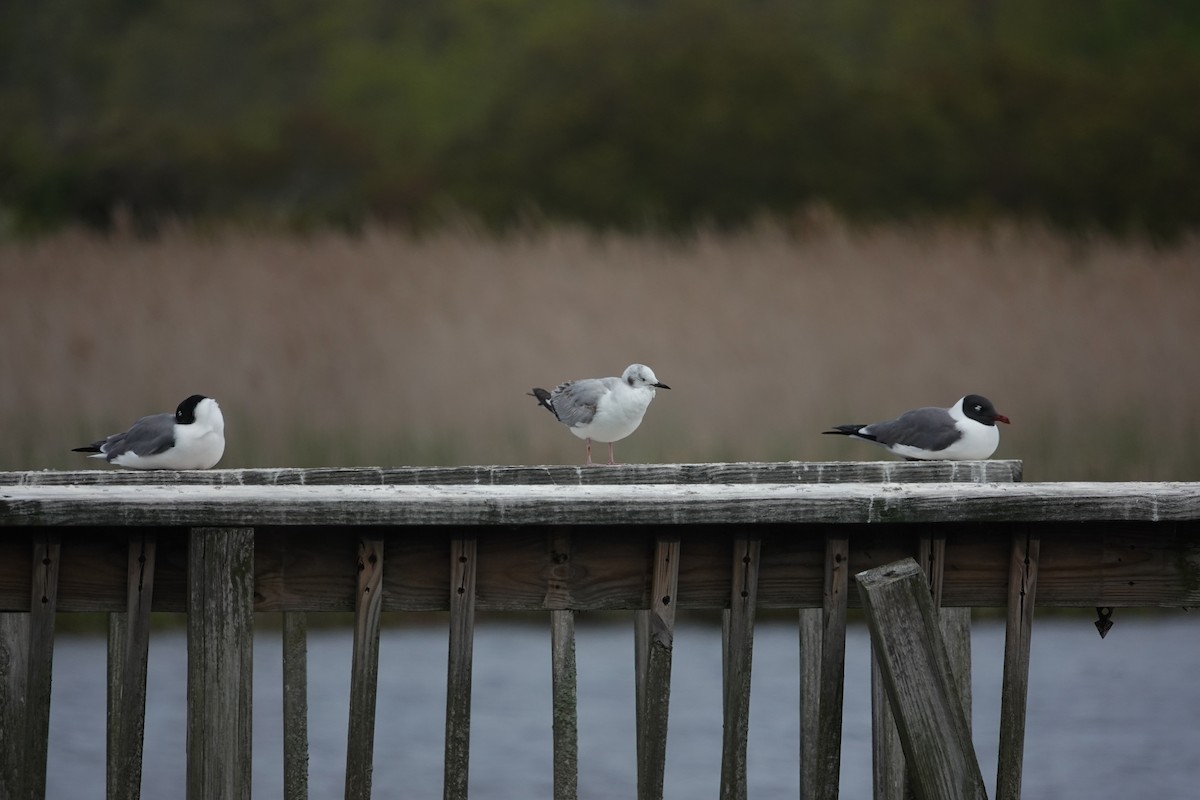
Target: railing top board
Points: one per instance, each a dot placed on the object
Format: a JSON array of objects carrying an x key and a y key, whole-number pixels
[
  {"x": 732, "y": 472},
  {"x": 664, "y": 504}
]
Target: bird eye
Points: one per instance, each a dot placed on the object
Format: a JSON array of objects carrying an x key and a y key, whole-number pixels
[{"x": 978, "y": 407}]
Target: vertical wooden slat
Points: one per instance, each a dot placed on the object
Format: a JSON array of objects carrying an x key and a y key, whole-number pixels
[
  {"x": 295, "y": 705},
  {"x": 833, "y": 664},
  {"x": 14, "y": 666},
  {"x": 364, "y": 669},
  {"x": 43, "y": 602},
  {"x": 128, "y": 661},
  {"x": 655, "y": 643},
  {"x": 220, "y": 662},
  {"x": 810, "y": 701},
  {"x": 458, "y": 680},
  {"x": 954, "y": 622},
  {"x": 889, "y": 778},
  {"x": 738, "y": 652},
  {"x": 1022, "y": 591},
  {"x": 919, "y": 683},
  {"x": 564, "y": 696},
  {"x": 565, "y": 705}
]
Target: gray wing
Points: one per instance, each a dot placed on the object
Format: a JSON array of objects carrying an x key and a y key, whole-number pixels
[
  {"x": 927, "y": 428},
  {"x": 146, "y": 437},
  {"x": 575, "y": 401}
]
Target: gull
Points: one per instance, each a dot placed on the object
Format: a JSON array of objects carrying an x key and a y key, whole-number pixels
[
  {"x": 603, "y": 409},
  {"x": 966, "y": 431},
  {"x": 191, "y": 438}
]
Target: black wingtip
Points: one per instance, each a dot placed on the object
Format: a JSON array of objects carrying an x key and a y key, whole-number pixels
[
  {"x": 850, "y": 430},
  {"x": 91, "y": 448},
  {"x": 543, "y": 398}
]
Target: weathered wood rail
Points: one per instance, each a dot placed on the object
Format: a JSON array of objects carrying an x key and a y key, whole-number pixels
[{"x": 222, "y": 544}]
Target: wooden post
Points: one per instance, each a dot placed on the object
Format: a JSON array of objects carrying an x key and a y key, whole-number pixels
[
  {"x": 565, "y": 705},
  {"x": 564, "y": 696},
  {"x": 128, "y": 659},
  {"x": 738, "y": 652},
  {"x": 458, "y": 681},
  {"x": 220, "y": 662},
  {"x": 14, "y": 666},
  {"x": 364, "y": 669},
  {"x": 810, "y": 702},
  {"x": 1018, "y": 635},
  {"x": 43, "y": 602},
  {"x": 295, "y": 705},
  {"x": 654, "y": 645},
  {"x": 920, "y": 684},
  {"x": 26, "y": 665},
  {"x": 828, "y": 762}
]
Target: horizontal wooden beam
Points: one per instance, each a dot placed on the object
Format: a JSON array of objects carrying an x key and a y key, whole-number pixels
[
  {"x": 547, "y": 475},
  {"x": 634, "y": 505},
  {"x": 1118, "y": 564}
]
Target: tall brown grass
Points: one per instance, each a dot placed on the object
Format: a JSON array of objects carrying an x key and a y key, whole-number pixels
[{"x": 388, "y": 349}]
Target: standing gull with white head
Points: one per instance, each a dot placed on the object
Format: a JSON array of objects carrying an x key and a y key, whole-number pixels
[{"x": 603, "y": 409}]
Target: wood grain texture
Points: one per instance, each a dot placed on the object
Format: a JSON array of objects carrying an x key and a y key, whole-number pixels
[
  {"x": 642, "y": 504},
  {"x": 737, "y": 663},
  {"x": 810, "y": 702},
  {"x": 220, "y": 663},
  {"x": 43, "y": 604},
  {"x": 920, "y": 685},
  {"x": 295, "y": 705},
  {"x": 833, "y": 664},
  {"x": 128, "y": 662},
  {"x": 557, "y": 475},
  {"x": 654, "y": 647},
  {"x": 463, "y": 566},
  {"x": 1018, "y": 636},
  {"x": 1117, "y": 564},
  {"x": 364, "y": 669},
  {"x": 14, "y": 668},
  {"x": 565, "y": 722}
]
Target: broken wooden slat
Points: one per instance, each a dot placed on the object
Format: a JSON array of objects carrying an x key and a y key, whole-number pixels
[
  {"x": 128, "y": 661},
  {"x": 920, "y": 685},
  {"x": 1018, "y": 634},
  {"x": 458, "y": 681},
  {"x": 738, "y": 651},
  {"x": 220, "y": 662},
  {"x": 364, "y": 669},
  {"x": 295, "y": 705},
  {"x": 653, "y": 648}
]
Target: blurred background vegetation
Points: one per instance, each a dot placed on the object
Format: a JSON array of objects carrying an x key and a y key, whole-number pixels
[
  {"x": 368, "y": 227},
  {"x": 635, "y": 114}
]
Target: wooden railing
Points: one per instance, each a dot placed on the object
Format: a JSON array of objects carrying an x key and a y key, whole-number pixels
[{"x": 223, "y": 544}]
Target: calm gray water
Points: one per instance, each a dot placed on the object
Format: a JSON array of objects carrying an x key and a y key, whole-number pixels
[{"x": 1107, "y": 719}]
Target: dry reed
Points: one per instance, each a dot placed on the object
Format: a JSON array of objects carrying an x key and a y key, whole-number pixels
[{"x": 387, "y": 349}]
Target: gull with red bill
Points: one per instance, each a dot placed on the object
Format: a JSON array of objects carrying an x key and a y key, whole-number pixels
[{"x": 966, "y": 431}]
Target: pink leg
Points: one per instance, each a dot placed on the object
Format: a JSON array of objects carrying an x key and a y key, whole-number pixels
[
  {"x": 610, "y": 453},
  {"x": 589, "y": 452}
]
